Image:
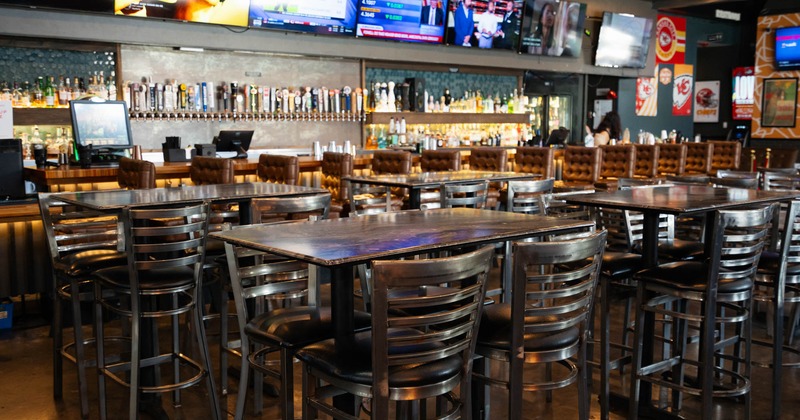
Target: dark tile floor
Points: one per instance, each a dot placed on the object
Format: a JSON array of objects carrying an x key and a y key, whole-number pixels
[{"x": 26, "y": 389}]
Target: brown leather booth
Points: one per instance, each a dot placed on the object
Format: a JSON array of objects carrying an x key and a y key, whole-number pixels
[
  {"x": 490, "y": 159},
  {"x": 581, "y": 168},
  {"x": 278, "y": 169},
  {"x": 646, "y": 165},
  {"x": 534, "y": 160},
  {"x": 440, "y": 160},
  {"x": 391, "y": 162},
  {"x": 135, "y": 174},
  {"x": 698, "y": 158},
  {"x": 671, "y": 159},
  {"x": 210, "y": 170},
  {"x": 726, "y": 155},
  {"x": 334, "y": 167}
]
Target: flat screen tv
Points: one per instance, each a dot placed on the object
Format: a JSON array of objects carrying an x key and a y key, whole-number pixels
[
  {"x": 402, "y": 20},
  {"x": 222, "y": 12},
  {"x": 335, "y": 17},
  {"x": 493, "y": 24},
  {"x": 623, "y": 41},
  {"x": 787, "y": 48},
  {"x": 553, "y": 28},
  {"x": 106, "y": 6},
  {"x": 104, "y": 125}
]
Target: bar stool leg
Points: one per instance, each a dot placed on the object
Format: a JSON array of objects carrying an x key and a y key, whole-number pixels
[
  {"x": 133, "y": 396},
  {"x": 605, "y": 347},
  {"x": 202, "y": 342},
  {"x": 100, "y": 352},
  {"x": 636, "y": 363},
  {"x": 58, "y": 342},
  {"x": 176, "y": 365},
  {"x": 80, "y": 352}
]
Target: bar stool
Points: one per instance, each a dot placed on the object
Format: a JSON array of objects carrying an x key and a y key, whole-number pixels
[
  {"x": 523, "y": 196},
  {"x": 726, "y": 155},
  {"x": 437, "y": 161},
  {"x": 723, "y": 283},
  {"x": 490, "y": 159},
  {"x": 470, "y": 194},
  {"x": 546, "y": 322},
  {"x": 278, "y": 169},
  {"x": 646, "y": 161},
  {"x": 698, "y": 158},
  {"x": 581, "y": 169},
  {"x": 135, "y": 174},
  {"x": 671, "y": 159},
  {"x": 334, "y": 166},
  {"x": 420, "y": 345},
  {"x": 534, "y": 160},
  {"x": 80, "y": 242},
  {"x": 617, "y": 162},
  {"x": 164, "y": 265},
  {"x": 396, "y": 162}
]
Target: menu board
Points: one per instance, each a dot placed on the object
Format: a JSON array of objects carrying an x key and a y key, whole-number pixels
[
  {"x": 335, "y": 17},
  {"x": 223, "y": 12},
  {"x": 402, "y": 20}
]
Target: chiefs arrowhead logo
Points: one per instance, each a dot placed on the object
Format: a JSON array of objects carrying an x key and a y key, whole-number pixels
[{"x": 682, "y": 90}]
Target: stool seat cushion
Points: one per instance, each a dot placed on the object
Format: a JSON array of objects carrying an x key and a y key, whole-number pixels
[
  {"x": 163, "y": 278},
  {"x": 495, "y": 331},
  {"x": 356, "y": 364},
  {"x": 689, "y": 276},
  {"x": 297, "y": 327},
  {"x": 681, "y": 250},
  {"x": 86, "y": 262},
  {"x": 620, "y": 265}
]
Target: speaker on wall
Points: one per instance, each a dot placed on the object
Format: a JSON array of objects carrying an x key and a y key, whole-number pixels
[{"x": 12, "y": 183}]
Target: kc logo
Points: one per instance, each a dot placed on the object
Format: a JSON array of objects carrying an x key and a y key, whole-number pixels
[{"x": 682, "y": 90}]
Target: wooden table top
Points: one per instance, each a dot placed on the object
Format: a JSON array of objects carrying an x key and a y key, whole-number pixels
[
  {"x": 354, "y": 240},
  {"x": 117, "y": 199},
  {"x": 428, "y": 179},
  {"x": 680, "y": 199}
]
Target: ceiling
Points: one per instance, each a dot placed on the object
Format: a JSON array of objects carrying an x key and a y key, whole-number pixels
[{"x": 748, "y": 10}]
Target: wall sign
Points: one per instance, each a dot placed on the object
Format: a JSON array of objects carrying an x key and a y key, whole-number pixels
[
  {"x": 744, "y": 86},
  {"x": 780, "y": 102},
  {"x": 646, "y": 97},
  {"x": 670, "y": 39},
  {"x": 682, "y": 90},
  {"x": 706, "y": 102}
]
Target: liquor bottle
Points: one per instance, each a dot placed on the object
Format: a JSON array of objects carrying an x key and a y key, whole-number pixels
[
  {"x": 75, "y": 92},
  {"x": 49, "y": 93},
  {"x": 111, "y": 86},
  {"x": 25, "y": 96},
  {"x": 63, "y": 91},
  {"x": 5, "y": 93},
  {"x": 510, "y": 107},
  {"x": 38, "y": 93},
  {"x": 478, "y": 102},
  {"x": 100, "y": 87},
  {"x": 16, "y": 96}
]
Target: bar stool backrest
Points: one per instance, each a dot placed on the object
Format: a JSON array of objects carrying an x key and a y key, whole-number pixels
[
  {"x": 488, "y": 159},
  {"x": 391, "y": 162},
  {"x": 209, "y": 170},
  {"x": 646, "y": 161},
  {"x": 698, "y": 157},
  {"x": 523, "y": 196},
  {"x": 472, "y": 195},
  {"x": 440, "y": 160},
  {"x": 671, "y": 159},
  {"x": 275, "y": 209},
  {"x": 726, "y": 155},
  {"x": 135, "y": 174},
  {"x": 70, "y": 230},
  {"x": 582, "y": 164},
  {"x": 737, "y": 241},
  {"x": 278, "y": 169},
  {"x": 334, "y": 167},
  {"x": 400, "y": 318},
  {"x": 618, "y": 161},
  {"x": 779, "y": 180},
  {"x": 534, "y": 160}
]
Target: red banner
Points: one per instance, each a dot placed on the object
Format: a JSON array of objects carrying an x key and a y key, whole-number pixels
[
  {"x": 646, "y": 97},
  {"x": 670, "y": 39},
  {"x": 682, "y": 89}
]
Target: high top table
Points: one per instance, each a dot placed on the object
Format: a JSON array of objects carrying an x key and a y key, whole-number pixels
[
  {"x": 241, "y": 193},
  {"x": 416, "y": 182},
  {"x": 675, "y": 200},
  {"x": 338, "y": 245}
]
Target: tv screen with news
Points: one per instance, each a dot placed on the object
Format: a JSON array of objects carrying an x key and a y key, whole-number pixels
[
  {"x": 624, "y": 41},
  {"x": 420, "y": 21},
  {"x": 491, "y": 24},
  {"x": 222, "y": 12},
  {"x": 787, "y": 48},
  {"x": 553, "y": 28},
  {"x": 334, "y": 17}
]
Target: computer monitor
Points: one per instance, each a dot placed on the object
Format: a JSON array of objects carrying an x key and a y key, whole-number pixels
[
  {"x": 234, "y": 141},
  {"x": 558, "y": 137},
  {"x": 103, "y": 124}
]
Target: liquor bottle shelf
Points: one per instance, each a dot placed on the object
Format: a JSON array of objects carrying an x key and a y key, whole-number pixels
[
  {"x": 447, "y": 118},
  {"x": 245, "y": 116}
]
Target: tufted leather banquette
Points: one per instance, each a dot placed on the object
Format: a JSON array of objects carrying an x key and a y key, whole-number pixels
[
  {"x": 278, "y": 169},
  {"x": 334, "y": 167},
  {"x": 534, "y": 160},
  {"x": 618, "y": 161},
  {"x": 725, "y": 155},
  {"x": 391, "y": 162},
  {"x": 671, "y": 159},
  {"x": 698, "y": 158},
  {"x": 646, "y": 161},
  {"x": 440, "y": 160},
  {"x": 581, "y": 164},
  {"x": 210, "y": 170},
  {"x": 135, "y": 174},
  {"x": 490, "y": 159}
]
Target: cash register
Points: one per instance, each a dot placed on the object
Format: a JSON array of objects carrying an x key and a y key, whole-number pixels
[{"x": 102, "y": 132}]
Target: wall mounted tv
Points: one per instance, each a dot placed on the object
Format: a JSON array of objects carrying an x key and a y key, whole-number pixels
[
  {"x": 553, "y": 28},
  {"x": 402, "y": 20},
  {"x": 106, "y": 6},
  {"x": 222, "y": 12},
  {"x": 478, "y": 26},
  {"x": 623, "y": 41},
  {"x": 787, "y": 48},
  {"x": 335, "y": 17}
]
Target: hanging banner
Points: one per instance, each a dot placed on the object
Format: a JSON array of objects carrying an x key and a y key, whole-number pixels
[
  {"x": 646, "y": 97},
  {"x": 744, "y": 88},
  {"x": 682, "y": 90},
  {"x": 670, "y": 39},
  {"x": 706, "y": 102}
]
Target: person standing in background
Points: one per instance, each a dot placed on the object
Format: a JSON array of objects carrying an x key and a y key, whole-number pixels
[
  {"x": 488, "y": 26},
  {"x": 610, "y": 127},
  {"x": 509, "y": 26},
  {"x": 465, "y": 23}
]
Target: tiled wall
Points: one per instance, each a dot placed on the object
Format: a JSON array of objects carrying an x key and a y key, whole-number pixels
[
  {"x": 458, "y": 83},
  {"x": 26, "y": 64}
]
